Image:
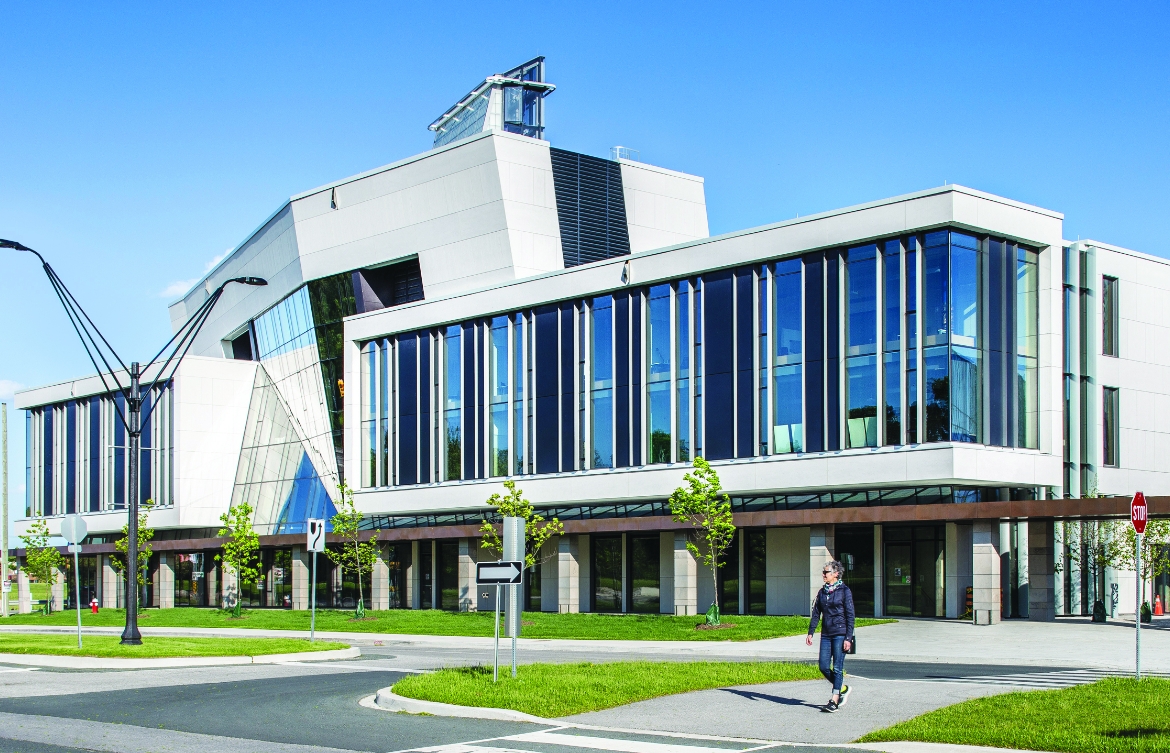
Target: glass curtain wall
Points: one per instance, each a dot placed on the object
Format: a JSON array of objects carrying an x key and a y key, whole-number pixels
[
  {"x": 787, "y": 358},
  {"x": 601, "y": 382},
  {"x": 861, "y": 346},
  {"x": 498, "y": 397},
  {"x": 913, "y": 310},
  {"x": 892, "y": 340},
  {"x": 658, "y": 374},
  {"x": 452, "y": 404}
]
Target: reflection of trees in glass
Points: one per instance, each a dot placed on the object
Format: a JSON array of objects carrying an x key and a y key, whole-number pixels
[
  {"x": 501, "y": 464},
  {"x": 454, "y": 471},
  {"x": 938, "y": 410},
  {"x": 659, "y": 446}
]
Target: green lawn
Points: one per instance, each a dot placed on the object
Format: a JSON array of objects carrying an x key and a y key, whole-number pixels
[
  {"x": 437, "y": 622},
  {"x": 1111, "y": 716},
  {"x": 107, "y": 646},
  {"x": 554, "y": 690}
]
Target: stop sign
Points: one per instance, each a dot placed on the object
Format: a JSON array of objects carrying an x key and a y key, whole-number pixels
[{"x": 1138, "y": 512}]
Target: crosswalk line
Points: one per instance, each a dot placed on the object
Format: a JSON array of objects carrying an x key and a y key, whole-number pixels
[
  {"x": 1039, "y": 680},
  {"x": 608, "y": 743}
]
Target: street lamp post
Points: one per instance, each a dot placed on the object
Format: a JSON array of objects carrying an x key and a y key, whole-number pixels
[{"x": 133, "y": 392}]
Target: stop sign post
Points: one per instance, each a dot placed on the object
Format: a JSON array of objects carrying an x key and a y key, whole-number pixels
[{"x": 1138, "y": 514}]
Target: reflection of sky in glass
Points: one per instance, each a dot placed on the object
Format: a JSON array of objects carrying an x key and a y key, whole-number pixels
[
  {"x": 862, "y": 294},
  {"x": 659, "y": 306},
  {"x": 787, "y": 306},
  {"x": 964, "y": 290}
]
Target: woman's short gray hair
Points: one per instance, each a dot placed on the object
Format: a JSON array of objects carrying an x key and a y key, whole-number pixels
[{"x": 835, "y": 566}]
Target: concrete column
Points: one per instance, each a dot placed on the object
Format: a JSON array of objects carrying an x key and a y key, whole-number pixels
[
  {"x": 550, "y": 579},
  {"x": 468, "y": 549},
  {"x": 879, "y": 572},
  {"x": 666, "y": 572},
  {"x": 380, "y": 580},
  {"x": 958, "y": 568},
  {"x": 213, "y": 596},
  {"x": 568, "y": 575},
  {"x": 229, "y": 593},
  {"x": 985, "y": 575},
  {"x": 57, "y": 590},
  {"x": 164, "y": 582},
  {"x": 302, "y": 573},
  {"x": 686, "y": 577},
  {"x": 111, "y": 583},
  {"x": 414, "y": 578},
  {"x": 1041, "y": 571},
  {"x": 821, "y": 548},
  {"x": 23, "y": 593}
]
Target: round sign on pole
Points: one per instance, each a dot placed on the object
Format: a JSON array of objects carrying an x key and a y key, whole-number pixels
[
  {"x": 1138, "y": 512},
  {"x": 73, "y": 529}
]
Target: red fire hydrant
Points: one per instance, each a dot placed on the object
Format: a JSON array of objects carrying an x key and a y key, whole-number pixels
[
  {"x": 1158, "y": 606},
  {"x": 93, "y": 606}
]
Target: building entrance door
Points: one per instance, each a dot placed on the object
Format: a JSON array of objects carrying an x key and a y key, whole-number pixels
[{"x": 915, "y": 576}]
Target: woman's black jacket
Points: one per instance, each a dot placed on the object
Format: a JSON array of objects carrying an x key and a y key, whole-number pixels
[{"x": 836, "y": 608}]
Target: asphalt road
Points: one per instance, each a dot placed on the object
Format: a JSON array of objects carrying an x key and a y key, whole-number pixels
[{"x": 314, "y": 709}]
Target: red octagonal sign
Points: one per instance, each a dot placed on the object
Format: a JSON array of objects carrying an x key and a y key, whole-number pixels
[{"x": 1138, "y": 512}]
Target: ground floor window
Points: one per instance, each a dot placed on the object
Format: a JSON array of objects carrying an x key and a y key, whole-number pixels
[
  {"x": 645, "y": 554},
  {"x": 191, "y": 581},
  {"x": 855, "y": 550},
  {"x": 728, "y": 578},
  {"x": 448, "y": 572},
  {"x": 607, "y": 573},
  {"x": 88, "y": 567},
  {"x": 755, "y": 566},
  {"x": 426, "y": 561},
  {"x": 915, "y": 570},
  {"x": 532, "y": 591}
]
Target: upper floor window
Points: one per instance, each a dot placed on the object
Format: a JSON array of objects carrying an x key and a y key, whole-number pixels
[
  {"x": 1109, "y": 316},
  {"x": 1110, "y": 426}
]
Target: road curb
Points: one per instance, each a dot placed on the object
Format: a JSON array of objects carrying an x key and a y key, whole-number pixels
[
  {"x": 94, "y": 662},
  {"x": 388, "y": 700}
]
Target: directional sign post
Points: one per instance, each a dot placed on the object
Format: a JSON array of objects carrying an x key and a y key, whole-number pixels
[
  {"x": 73, "y": 530},
  {"x": 498, "y": 574},
  {"x": 316, "y": 543},
  {"x": 1138, "y": 514}
]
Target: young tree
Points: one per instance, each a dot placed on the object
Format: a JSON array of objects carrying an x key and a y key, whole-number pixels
[
  {"x": 536, "y": 530},
  {"x": 702, "y": 503},
  {"x": 241, "y": 550},
  {"x": 145, "y": 536},
  {"x": 1155, "y": 550},
  {"x": 352, "y": 554},
  {"x": 41, "y": 560}
]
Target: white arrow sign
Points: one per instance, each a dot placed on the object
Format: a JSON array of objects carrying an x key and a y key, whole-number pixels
[
  {"x": 316, "y": 531},
  {"x": 498, "y": 573}
]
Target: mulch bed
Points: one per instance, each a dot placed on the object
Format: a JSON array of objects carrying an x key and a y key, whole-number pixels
[{"x": 720, "y": 626}]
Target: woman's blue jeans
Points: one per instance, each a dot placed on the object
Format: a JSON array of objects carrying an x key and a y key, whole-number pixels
[{"x": 833, "y": 660}]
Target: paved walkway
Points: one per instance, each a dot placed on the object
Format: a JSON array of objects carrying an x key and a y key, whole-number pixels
[{"x": 1074, "y": 643}]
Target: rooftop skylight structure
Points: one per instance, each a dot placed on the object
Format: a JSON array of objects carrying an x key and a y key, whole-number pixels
[{"x": 511, "y": 101}]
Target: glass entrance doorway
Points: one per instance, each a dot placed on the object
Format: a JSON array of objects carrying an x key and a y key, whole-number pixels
[{"x": 915, "y": 571}]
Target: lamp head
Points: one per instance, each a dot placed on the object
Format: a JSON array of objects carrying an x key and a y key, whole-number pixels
[
  {"x": 14, "y": 245},
  {"x": 256, "y": 281}
]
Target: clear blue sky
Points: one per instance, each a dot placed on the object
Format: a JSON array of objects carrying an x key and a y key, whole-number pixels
[{"x": 138, "y": 143}]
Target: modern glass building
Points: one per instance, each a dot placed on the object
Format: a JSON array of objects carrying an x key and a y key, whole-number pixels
[{"x": 935, "y": 388}]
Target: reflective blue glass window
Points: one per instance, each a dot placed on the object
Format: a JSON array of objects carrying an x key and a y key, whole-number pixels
[
  {"x": 452, "y": 403},
  {"x": 892, "y": 294},
  {"x": 861, "y": 366},
  {"x": 601, "y": 382},
  {"x": 683, "y": 371},
  {"x": 384, "y": 370},
  {"x": 938, "y": 403},
  {"x": 697, "y": 288},
  {"x": 518, "y": 393},
  {"x": 658, "y": 374},
  {"x": 964, "y": 320},
  {"x": 936, "y": 288},
  {"x": 369, "y": 377},
  {"x": 787, "y": 424},
  {"x": 787, "y": 431},
  {"x": 964, "y": 394},
  {"x": 498, "y": 371},
  {"x": 787, "y": 311},
  {"x": 407, "y": 352},
  {"x": 912, "y": 341},
  {"x": 893, "y": 398},
  {"x": 1027, "y": 347}
]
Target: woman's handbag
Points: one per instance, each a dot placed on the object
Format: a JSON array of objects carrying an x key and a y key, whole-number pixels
[{"x": 852, "y": 646}]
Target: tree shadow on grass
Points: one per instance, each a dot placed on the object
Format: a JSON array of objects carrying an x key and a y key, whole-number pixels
[
  {"x": 753, "y": 696},
  {"x": 1139, "y": 732}
]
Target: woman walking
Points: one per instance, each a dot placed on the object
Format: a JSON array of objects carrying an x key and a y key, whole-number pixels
[{"x": 833, "y": 605}]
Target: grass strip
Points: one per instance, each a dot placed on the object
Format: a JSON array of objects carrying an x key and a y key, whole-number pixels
[
  {"x": 438, "y": 622},
  {"x": 555, "y": 690},
  {"x": 108, "y": 647},
  {"x": 1114, "y": 715}
]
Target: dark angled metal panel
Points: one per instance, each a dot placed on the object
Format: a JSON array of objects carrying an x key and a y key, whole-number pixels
[
  {"x": 568, "y": 404},
  {"x": 591, "y": 208},
  {"x": 814, "y": 364},
  {"x": 621, "y": 379},
  {"x": 744, "y": 341},
  {"x": 407, "y": 409},
  {"x": 547, "y": 425},
  {"x": 719, "y": 341},
  {"x": 833, "y": 349}
]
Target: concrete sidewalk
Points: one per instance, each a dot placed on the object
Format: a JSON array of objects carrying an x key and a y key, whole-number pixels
[{"x": 1070, "y": 642}]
